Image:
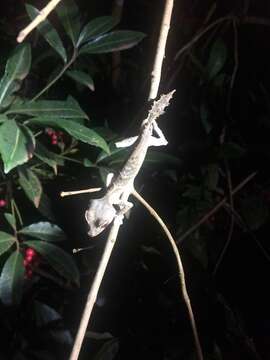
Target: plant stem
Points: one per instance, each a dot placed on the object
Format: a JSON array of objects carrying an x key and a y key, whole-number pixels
[{"x": 66, "y": 66}]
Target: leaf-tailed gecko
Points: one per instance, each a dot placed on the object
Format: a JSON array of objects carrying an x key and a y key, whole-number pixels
[{"x": 102, "y": 211}]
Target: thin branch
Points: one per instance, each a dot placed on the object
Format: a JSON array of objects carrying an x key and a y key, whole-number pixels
[
  {"x": 38, "y": 19},
  {"x": 214, "y": 209},
  {"x": 160, "y": 53},
  {"x": 77, "y": 192},
  {"x": 244, "y": 226},
  {"x": 231, "y": 202},
  {"x": 175, "y": 251},
  {"x": 236, "y": 65},
  {"x": 95, "y": 287},
  {"x": 58, "y": 76},
  {"x": 116, "y": 224},
  {"x": 180, "y": 269},
  {"x": 200, "y": 34}
]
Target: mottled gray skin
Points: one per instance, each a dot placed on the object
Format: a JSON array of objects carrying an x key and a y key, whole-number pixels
[{"x": 101, "y": 212}]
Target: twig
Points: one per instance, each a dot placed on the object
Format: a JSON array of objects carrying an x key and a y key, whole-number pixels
[
  {"x": 116, "y": 224},
  {"x": 175, "y": 251},
  {"x": 200, "y": 34},
  {"x": 236, "y": 65},
  {"x": 215, "y": 209},
  {"x": 180, "y": 269},
  {"x": 57, "y": 77},
  {"x": 231, "y": 202},
  {"x": 38, "y": 19},
  {"x": 117, "y": 12},
  {"x": 243, "y": 225},
  {"x": 95, "y": 287},
  {"x": 160, "y": 53},
  {"x": 77, "y": 192}
]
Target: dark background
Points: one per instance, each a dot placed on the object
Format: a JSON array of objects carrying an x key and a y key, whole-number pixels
[{"x": 139, "y": 301}]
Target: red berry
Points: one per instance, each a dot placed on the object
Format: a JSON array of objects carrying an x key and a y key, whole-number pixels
[
  {"x": 30, "y": 252},
  {"x": 49, "y": 131},
  {"x": 25, "y": 262},
  {"x": 29, "y": 273},
  {"x": 54, "y": 136},
  {"x": 3, "y": 203},
  {"x": 54, "y": 141}
]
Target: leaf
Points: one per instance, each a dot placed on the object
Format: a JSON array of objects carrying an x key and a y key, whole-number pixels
[
  {"x": 82, "y": 78},
  {"x": 204, "y": 113},
  {"x": 59, "y": 260},
  {"x": 48, "y": 157},
  {"x": 97, "y": 26},
  {"x": 113, "y": 41},
  {"x": 231, "y": 151},
  {"x": 45, "y": 207},
  {"x": 78, "y": 131},
  {"x": 11, "y": 220},
  {"x": 217, "y": 59},
  {"x": 69, "y": 16},
  {"x": 3, "y": 118},
  {"x": 31, "y": 185},
  {"x": 45, "y": 314},
  {"x": 44, "y": 231},
  {"x": 6, "y": 241},
  {"x": 254, "y": 211},
  {"x": 108, "y": 350},
  {"x": 11, "y": 280},
  {"x": 48, "y": 32},
  {"x": 68, "y": 109},
  {"x": 16, "y": 147},
  {"x": 17, "y": 68}
]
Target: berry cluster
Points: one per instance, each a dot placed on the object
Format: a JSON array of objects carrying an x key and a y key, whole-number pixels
[
  {"x": 56, "y": 136},
  {"x": 30, "y": 261},
  {"x": 3, "y": 203}
]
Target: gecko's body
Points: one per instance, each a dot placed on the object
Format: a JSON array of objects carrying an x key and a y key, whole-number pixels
[{"x": 102, "y": 211}]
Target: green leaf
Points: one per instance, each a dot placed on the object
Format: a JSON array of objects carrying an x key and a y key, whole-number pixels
[
  {"x": 113, "y": 41},
  {"x": 48, "y": 157},
  {"x": 78, "y": 131},
  {"x": 59, "y": 260},
  {"x": 6, "y": 241},
  {"x": 217, "y": 59},
  {"x": 68, "y": 109},
  {"x": 3, "y": 118},
  {"x": 204, "y": 113},
  {"x": 44, "y": 231},
  {"x": 48, "y": 32},
  {"x": 254, "y": 211},
  {"x": 11, "y": 280},
  {"x": 45, "y": 314},
  {"x": 69, "y": 16},
  {"x": 16, "y": 147},
  {"x": 31, "y": 185},
  {"x": 11, "y": 220},
  {"x": 17, "y": 68},
  {"x": 231, "y": 150},
  {"x": 97, "y": 27},
  {"x": 82, "y": 78},
  {"x": 108, "y": 350},
  {"x": 45, "y": 207}
]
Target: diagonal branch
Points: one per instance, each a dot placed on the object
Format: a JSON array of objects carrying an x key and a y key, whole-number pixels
[{"x": 38, "y": 19}]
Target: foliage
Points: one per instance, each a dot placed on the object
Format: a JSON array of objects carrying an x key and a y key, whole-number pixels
[
  {"x": 28, "y": 161},
  {"x": 220, "y": 116}
]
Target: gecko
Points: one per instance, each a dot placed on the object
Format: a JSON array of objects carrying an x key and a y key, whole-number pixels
[{"x": 102, "y": 211}]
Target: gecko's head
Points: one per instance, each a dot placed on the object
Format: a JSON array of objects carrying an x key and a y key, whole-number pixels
[{"x": 99, "y": 215}]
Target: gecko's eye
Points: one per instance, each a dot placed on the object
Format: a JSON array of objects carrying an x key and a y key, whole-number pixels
[{"x": 99, "y": 224}]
